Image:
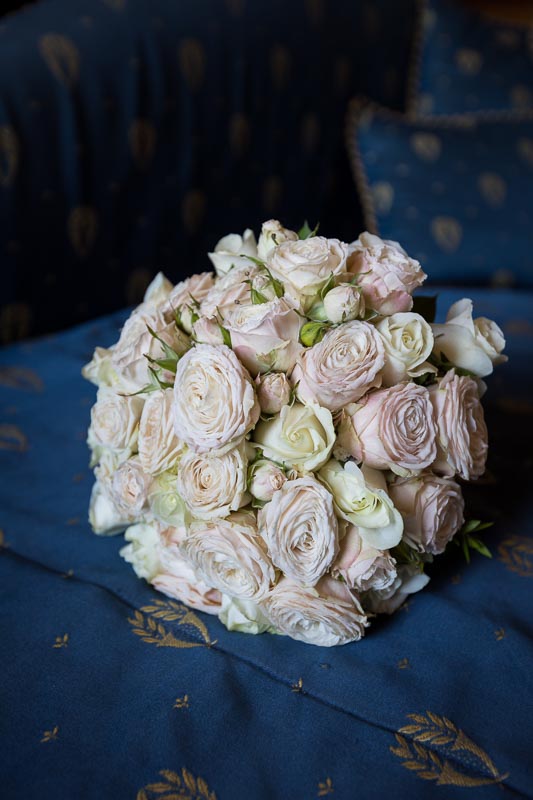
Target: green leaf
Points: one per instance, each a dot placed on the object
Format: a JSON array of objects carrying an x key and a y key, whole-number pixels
[
  {"x": 305, "y": 231},
  {"x": 169, "y": 364},
  {"x": 279, "y": 289},
  {"x": 479, "y": 546},
  {"x": 258, "y": 261},
  {"x": 466, "y": 551},
  {"x": 312, "y": 332},
  {"x": 258, "y": 298},
  {"x": 168, "y": 350},
  {"x": 426, "y": 306},
  {"x": 226, "y": 335},
  {"x": 328, "y": 286}
]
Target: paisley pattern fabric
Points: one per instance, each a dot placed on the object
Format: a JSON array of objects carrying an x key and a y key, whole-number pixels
[
  {"x": 135, "y": 133},
  {"x": 465, "y": 61},
  {"x": 455, "y": 190},
  {"x": 111, "y": 690}
]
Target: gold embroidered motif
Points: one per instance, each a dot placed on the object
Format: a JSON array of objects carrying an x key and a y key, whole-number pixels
[
  {"x": 325, "y": 788},
  {"x": 426, "y": 747},
  {"x": 517, "y": 555},
  {"x": 524, "y": 148},
  {"x": 9, "y": 155},
  {"x": 493, "y": 188},
  {"x": 404, "y": 664},
  {"x": 20, "y": 378},
  {"x": 82, "y": 228},
  {"x": 447, "y": 232},
  {"x": 182, "y": 702},
  {"x": 191, "y": 55},
  {"x": 298, "y": 686},
  {"x": 12, "y": 438},
  {"x": 50, "y": 736},
  {"x": 61, "y": 56},
  {"x": 177, "y": 787},
  {"x": 427, "y": 146},
  {"x": 499, "y": 634},
  {"x": 153, "y": 632},
  {"x": 468, "y": 61},
  {"x": 383, "y": 196},
  {"x": 142, "y": 137},
  {"x": 61, "y": 641},
  {"x": 68, "y": 574}
]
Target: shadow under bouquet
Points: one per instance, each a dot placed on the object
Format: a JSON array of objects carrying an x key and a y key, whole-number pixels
[{"x": 282, "y": 439}]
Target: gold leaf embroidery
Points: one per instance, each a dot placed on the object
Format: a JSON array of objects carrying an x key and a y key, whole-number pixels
[
  {"x": 524, "y": 147},
  {"x": 493, "y": 188},
  {"x": 191, "y": 56},
  {"x": 298, "y": 686},
  {"x": 142, "y": 137},
  {"x": 12, "y": 438},
  {"x": 20, "y": 378},
  {"x": 517, "y": 555},
  {"x": 325, "y": 788},
  {"x": 177, "y": 787},
  {"x": 499, "y": 634},
  {"x": 383, "y": 196},
  {"x": 447, "y": 232},
  {"x": 61, "y": 56},
  {"x": 404, "y": 664},
  {"x": 468, "y": 61},
  {"x": 61, "y": 641},
  {"x": 427, "y": 146},
  {"x": 82, "y": 227},
  {"x": 437, "y": 750},
  {"x": 182, "y": 702},
  {"x": 154, "y": 632},
  {"x": 9, "y": 155},
  {"x": 50, "y": 736}
]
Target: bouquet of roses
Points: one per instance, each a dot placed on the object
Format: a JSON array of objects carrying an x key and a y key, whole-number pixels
[{"x": 282, "y": 440}]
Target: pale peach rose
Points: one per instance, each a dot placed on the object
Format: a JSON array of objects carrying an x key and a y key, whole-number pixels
[
  {"x": 273, "y": 234},
  {"x": 213, "y": 485},
  {"x": 273, "y": 392},
  {"x": 215, "y": 404},
  {"x": 386, "y": 274},
  {"x": 159, "y": 448},
  {"x": 408, "y": 341},
  {"x": 471, "y": 344},
  {"x": 432, "y": 509},
  {"x": 105, "y": 519},
  {"x": 114, "y": 422},
  {"x": 158, "y": 290},
  {"x": 392, "y": 429},
  {"x": 363, "y": 567},
  {"x": 229, "y": 555},
  {"x": 409, "y": 580},
  {"x": 207, "y": 330},
  {"x": 229, "y": 251},
  {"x": 326, "y": 615},
  {"x": 129, "y": 488},
  {"x": 267, "y": 478},
  {"x": 462, "y": 433},
  {"x": 136, "y": 341},
  {"x": 185, "y": 298},
  {"x": 230, "y": 291},
  {"x": 342, "y": 367},
  {"x": 306, "y": 265},
  {"x": 301, "y": 530},
  {"x": 100, "y": 370},
  {"x": 344, "y": 303}
]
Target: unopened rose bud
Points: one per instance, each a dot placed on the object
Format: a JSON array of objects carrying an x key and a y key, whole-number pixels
[
  {"x": 272, "y": 234},
  {"x": 273, "y": 392},
  {"x": 344, "y": 303},
  {"x": 267, "y": 479},
  {"x": 207, "y": 330},
  {"x": 312, "y": 332}
]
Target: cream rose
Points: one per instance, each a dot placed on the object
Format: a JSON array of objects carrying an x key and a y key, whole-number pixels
[
  {"x": 462, "y": 433},
  {"x": 229, "y": 555},
  {"x": 100, "y": 370},
  {"x": 342, "y": 367},
  {"x": 158, "y": 290},
  {"x": 409, "y": 580},
  {"x": 326, "y": 615},
  {"x": 432, "y": 509},
  {"x": 392, "y": 429},
  {"x": 385, "y": 273},
  {"x": 301, "y": 530},
  {"x": 344, "y": 303},
  {"x": 474, "y": 345},
  {"x": 266, "y": 478},
  {"x": 114, "y": 422},
  {"x": 104, "y": 517},
  {"x": 143, "y": 551},
  {"x": 165, "y": 503},
  {"x": 273, "y": 392},
  {"x": 213, "y": 485},
  {"x": 408, "y": 342},
  {"x": 229, "y": 251},
  {"x": 306, "y": 265},
  {"x": 129, "y": 488},
  {"x": 363, "y": 567},
  {"x": 272, "y": 235},
  {"x": 185, "y": 298},
  {"x": 244, "y": 616},
  {"x": 207, "y": 330},
  {"x": 159, "y": 448},
  {"x": 302, "y": 436},
  {"x": 215, "y": 404},
  {"x": 361, "y": 498},
  {"x": 230, "y": 291}
]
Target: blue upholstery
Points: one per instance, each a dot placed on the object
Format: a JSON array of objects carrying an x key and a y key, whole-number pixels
[
  {"x": 456, "y": 191},
  {"x": 99, "y": 696},
  {"x": 135, "y": 133},
  {"x": 466, "y": 62}
]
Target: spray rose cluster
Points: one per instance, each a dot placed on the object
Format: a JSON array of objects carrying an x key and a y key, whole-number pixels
[{"x": 282, "y": 439}]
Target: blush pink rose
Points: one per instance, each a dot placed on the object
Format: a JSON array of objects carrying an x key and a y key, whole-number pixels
[
  {"x": 363, "y": 567},
  {"x": 386, "y": 275},
  {"x": 229, "y": 292},
  {"x": 432, "y": 509},
  {"x": 186, "y": 296},
  {"x": 462, "y": 433},
  {"x": 273, "y": 392},
  {"x": 392, "y": 429}
]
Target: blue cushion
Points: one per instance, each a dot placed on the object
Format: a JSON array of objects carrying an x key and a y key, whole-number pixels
[
  {"x": 105, "y": 693},
  {"x": 465, "y": 61},
  {"x": 456, "y": 191}
]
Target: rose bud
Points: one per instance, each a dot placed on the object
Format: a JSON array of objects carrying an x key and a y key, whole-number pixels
[
  {"x": 207, "y": 330},
  {"x": 344, "y": 303},
  {"x": 267, "y": 478},
  {"x": 273, "y": 392}
]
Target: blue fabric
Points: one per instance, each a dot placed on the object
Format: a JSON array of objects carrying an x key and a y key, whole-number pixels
[
  {"x": 99, "y": 695},
  {"x": 468, "y": 62},
  {"x": 456, "y": 191},
  {"x": 135, "y": 133}
]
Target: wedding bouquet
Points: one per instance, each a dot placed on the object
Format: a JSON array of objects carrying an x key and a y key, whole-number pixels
[{"x": 282, "y": 440}]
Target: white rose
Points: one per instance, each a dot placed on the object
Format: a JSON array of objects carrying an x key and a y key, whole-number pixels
[
  {"x": 326, "y": 615},
  {"x": 115, "y": 421},
  {"x": 306, "y": 265},
  {"x": 363, "y": 567},
  {"x": 273, "y": 392},
  {"x": 100, "y": 370},
  {"x": 213, "y": 485},
  {"x": 408, "y": 341},
  {"x": 230, "y": 249},
  {"x": 301, "y": 436},
  {"x": 159, "y": 448},
  {"x": 341, "y": 368},
  {"x": 301, "y": 530},
  {"x": 129, "y": 488},
  {"x": 143, "y": 551},
  {"x": 273, "y": 234},
  {"x": 165, "y": 503},
  {"x": 244, "y": 616},
  {"x": 362, "y": 499},
  {"x": 207, "y": 330},
  {"x": 185, "y": 298},
  {"x": 229, "y": 555},
  {"x": 230, "y": 291},
  {"x": 471, "y": 344},
  {"x": 409, "y": 580},
  {"x": 215, "y": 404},
  {"x": 267, "y": 478},
  {"x": 104, "y": 517},
  {"x": 158, "y": 290},
  {"x": 344, "y": 303}
]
